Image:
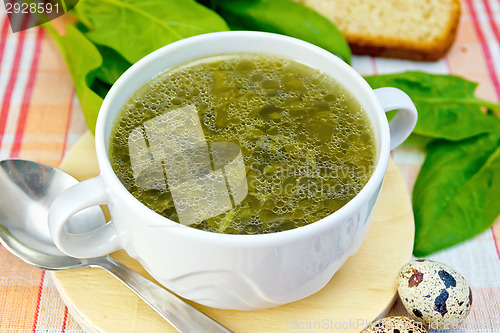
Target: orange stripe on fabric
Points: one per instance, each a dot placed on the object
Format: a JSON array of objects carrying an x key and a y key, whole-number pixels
[
  {"x": 9, "y": 90},
  {"x": 68, "y": 125},
  {"x": 467, "y": 46},
  {"x": 487, "y": 53},
  {"x": 26, "y": 100},
  {"x": 18, "y": 306},
  {"x": 18, "y": 294}
]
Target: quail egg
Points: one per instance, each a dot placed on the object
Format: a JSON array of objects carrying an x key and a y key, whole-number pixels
[
  {"x": 434, "y": 294},
  {"x": 395, "y": 324}
]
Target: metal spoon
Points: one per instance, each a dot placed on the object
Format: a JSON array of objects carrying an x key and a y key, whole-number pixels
[{"x": 26, "y": 191}]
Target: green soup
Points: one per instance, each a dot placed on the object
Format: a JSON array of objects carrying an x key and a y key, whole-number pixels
[{"x": 243, "y": 144}]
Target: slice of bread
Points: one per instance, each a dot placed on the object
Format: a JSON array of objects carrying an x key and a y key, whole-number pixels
[{"x": 409, "y": 29}]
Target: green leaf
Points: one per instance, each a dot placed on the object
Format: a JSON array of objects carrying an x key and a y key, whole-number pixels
[
  {"x": 285, "y": 17},
  {"x": 418, "y": 141},
  {"x": 456, "y": 194},
  {"x": 135, "y": 28},
  {"x": 446, "y": 105},
  {"x": 82, "y": 58},
  {"x": 100, "y": 88}
]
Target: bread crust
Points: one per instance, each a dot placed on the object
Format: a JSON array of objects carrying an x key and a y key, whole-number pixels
[{"x": 394, "y": 47}]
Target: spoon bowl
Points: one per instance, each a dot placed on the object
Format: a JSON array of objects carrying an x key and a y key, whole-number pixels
[{"x": 28, "y": 189}]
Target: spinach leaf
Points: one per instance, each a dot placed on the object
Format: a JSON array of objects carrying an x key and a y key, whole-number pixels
[
  {"x": 418, "y": 141},
  {"x": 100, "y": 88},
  {"x": 113, "y": 66},
  {"x": 447, "y": 107},
  {"x": 82, "y": 58},
  {"x": 456, "y": 193},
  {"x": 135, "y": 28},
  {"x": 284, "y": 17}
]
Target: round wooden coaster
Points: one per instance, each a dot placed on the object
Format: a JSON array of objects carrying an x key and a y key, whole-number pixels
[{"x": 360, "y": 292}]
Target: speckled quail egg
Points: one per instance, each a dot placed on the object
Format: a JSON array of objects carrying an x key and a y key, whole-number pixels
[
  {"x": 434, "y": 293},
  {"x": 395, "y": 324}
]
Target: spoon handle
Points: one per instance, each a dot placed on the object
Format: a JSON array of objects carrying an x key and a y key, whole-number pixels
[{"x": 182, "y": 316}]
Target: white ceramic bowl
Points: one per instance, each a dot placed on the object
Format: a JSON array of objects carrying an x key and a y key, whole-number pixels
[{"x": 231, "y": 271}]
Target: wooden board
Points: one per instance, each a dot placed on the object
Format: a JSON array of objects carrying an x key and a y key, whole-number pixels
[{"x": 361, "y": 291}]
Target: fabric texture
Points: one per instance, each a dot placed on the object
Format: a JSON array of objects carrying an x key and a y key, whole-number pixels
[{"x": 40, "y": 118}]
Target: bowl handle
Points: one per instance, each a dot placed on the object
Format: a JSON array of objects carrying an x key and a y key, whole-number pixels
[
  {"x": 404, "y": 121},
  {"x": 95, "y": 243}
]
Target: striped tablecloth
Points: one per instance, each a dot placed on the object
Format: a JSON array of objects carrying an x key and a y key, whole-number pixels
[{"x": 40, "y": 118}]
